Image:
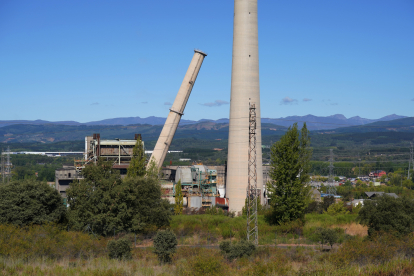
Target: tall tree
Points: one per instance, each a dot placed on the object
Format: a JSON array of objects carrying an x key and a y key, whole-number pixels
[
  {"x": 178, "y": 208},
  {"x": 288, "y": 190},
  {"x": 137, "y": 165},
  {"x": 106, "y": 203}
]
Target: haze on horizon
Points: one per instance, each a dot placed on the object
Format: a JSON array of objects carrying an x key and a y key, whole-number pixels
[{"x": 88, "y": 60}]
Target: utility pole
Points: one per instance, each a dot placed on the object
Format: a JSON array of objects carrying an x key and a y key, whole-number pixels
[
  {"x": 252, "y": 194},
  {"x": 331, "y": 189}
]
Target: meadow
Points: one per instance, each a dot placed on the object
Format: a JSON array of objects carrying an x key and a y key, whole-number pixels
[{"x": 52, "y": 250}]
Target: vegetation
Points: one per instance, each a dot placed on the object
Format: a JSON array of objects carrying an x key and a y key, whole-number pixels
[
  {"x": 178, "y": 208},
  {"x": 327, "y": 235},
  {"x": 119, "y": 249},
  {"x": 28, "y": 202},
  {"x": 138, "y": 160},
  {"x": 337, "y": 209},
  {"x": 240, "y": 249},
  {"x": 165, "y": 245},
  {"x": 289, "y": 194},
  {"x": 105, "y": 203},
  {"x": 388, "y": 214}
]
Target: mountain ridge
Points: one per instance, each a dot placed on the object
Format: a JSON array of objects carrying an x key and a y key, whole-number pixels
[{"x": 313, "y": 122}]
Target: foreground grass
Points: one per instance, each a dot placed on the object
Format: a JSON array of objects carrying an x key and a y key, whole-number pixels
[
  {"x": 48, "y": 250},
  {"x": 211, "y": 229},
  {"x": 201, "y": 261}
]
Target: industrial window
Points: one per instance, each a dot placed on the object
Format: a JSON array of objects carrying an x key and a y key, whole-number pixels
[{"x": 69, "y": 174}]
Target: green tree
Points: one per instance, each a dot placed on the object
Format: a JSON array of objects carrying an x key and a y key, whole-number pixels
[
  {"x": 107, "y": 203},
  {"x": 388, "y": 214},
  {"x": 29, "y": 201},
  {"x": 137, "y": 165},
  {"x": 327, "y": 235},
  {"x": 178, "y": 208},
  {"x": 289, "y": 175}
]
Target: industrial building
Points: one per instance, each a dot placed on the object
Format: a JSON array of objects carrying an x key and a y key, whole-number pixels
[
  {"x": 201, "y": 185},
  {"x": 118, "y": 151}
]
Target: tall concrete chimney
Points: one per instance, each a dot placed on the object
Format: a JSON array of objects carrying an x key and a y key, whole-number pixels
[
  {"x": 177, "y": 110},
  {"x": 245, "y": 88}
]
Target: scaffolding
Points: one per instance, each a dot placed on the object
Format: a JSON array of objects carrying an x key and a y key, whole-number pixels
[{"x": 252, "y": 193}]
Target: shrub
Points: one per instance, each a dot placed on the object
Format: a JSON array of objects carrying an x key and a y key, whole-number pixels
[
  {"x": 388, "y": 214},
  {"x": 225, "y": 246},
  {"x": 337, "y": 209},
  {"x": 165, "y": 243},
  {"x": 27, "y": 202},
  {"x": 119, "y": 249},
  {"x": 202, "y": 262},
  {"x": 241, "y": 249}
]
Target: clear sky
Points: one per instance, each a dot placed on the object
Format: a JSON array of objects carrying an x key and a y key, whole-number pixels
[{"x": 92, "y": 60}]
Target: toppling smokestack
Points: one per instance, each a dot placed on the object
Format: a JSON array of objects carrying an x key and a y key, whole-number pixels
[
  {"x": 244, "y": 88},
  {"x": 177, "y": 109}
]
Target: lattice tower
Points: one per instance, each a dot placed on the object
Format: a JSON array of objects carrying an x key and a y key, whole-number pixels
[
  {"x": 252, "y": 192},
  {"x": 331, "y": 189},
  {"x": 3, "y": 176}
]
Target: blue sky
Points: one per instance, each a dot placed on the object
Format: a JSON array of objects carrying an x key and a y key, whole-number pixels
[{"x": 92, "y": 60}]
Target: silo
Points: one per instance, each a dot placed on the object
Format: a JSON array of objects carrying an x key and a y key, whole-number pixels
[{"x": 245, "y": 88}]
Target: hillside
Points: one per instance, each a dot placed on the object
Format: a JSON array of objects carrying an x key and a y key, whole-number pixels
[{"x": 313, "y": 122}]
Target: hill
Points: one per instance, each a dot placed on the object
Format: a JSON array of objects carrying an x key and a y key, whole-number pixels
[{"x": 313, "y": 122}]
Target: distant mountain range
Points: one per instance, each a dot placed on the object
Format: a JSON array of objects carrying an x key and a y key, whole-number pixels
[{"x": 313, "y": 122}]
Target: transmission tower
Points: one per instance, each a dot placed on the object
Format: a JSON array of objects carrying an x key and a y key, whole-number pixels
[
  {"x": 331, "y": 189},
  {"x": 252, "y": 193},
  {"x": 410, "y": 162},
  {"x": 3, "y": 176},
  {"x": 7, "y": 167}
]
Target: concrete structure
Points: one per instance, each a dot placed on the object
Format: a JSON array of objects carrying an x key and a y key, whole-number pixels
[
  {"x": 117, "y": 150},
  {"x": 64, "y": 177},
  {"x": 245, "y": 88},
  {"x": 171, "y": 174},
  {"x": 177, "y": 109}
]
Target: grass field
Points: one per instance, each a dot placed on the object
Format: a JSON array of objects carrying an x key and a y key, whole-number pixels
[{"x": 51, "y": 250}]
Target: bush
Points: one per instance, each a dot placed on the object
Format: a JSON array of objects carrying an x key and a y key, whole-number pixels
[
  {"x": 165, "y": 243},
  {"x": 388, "y": 214},
  {"x": 337, "y": 209},
  {"x": 241, "y": 249},
  {"x": 119, "y": 249},
  {"x": 27, "y": 202},
  {"x": 47, "y": 241}
]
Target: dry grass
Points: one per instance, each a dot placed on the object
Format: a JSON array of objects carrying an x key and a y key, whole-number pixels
[{"x": 354, "y": 229}]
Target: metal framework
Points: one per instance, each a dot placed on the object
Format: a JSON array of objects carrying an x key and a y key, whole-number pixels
[
  {"x": 331, "y": 189},
  {"x": 6, "y": 166},
  {"x": 252, "y": 192},
  {"x": 3, "y": 170},
  {"x": 410, "y": 162}
]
